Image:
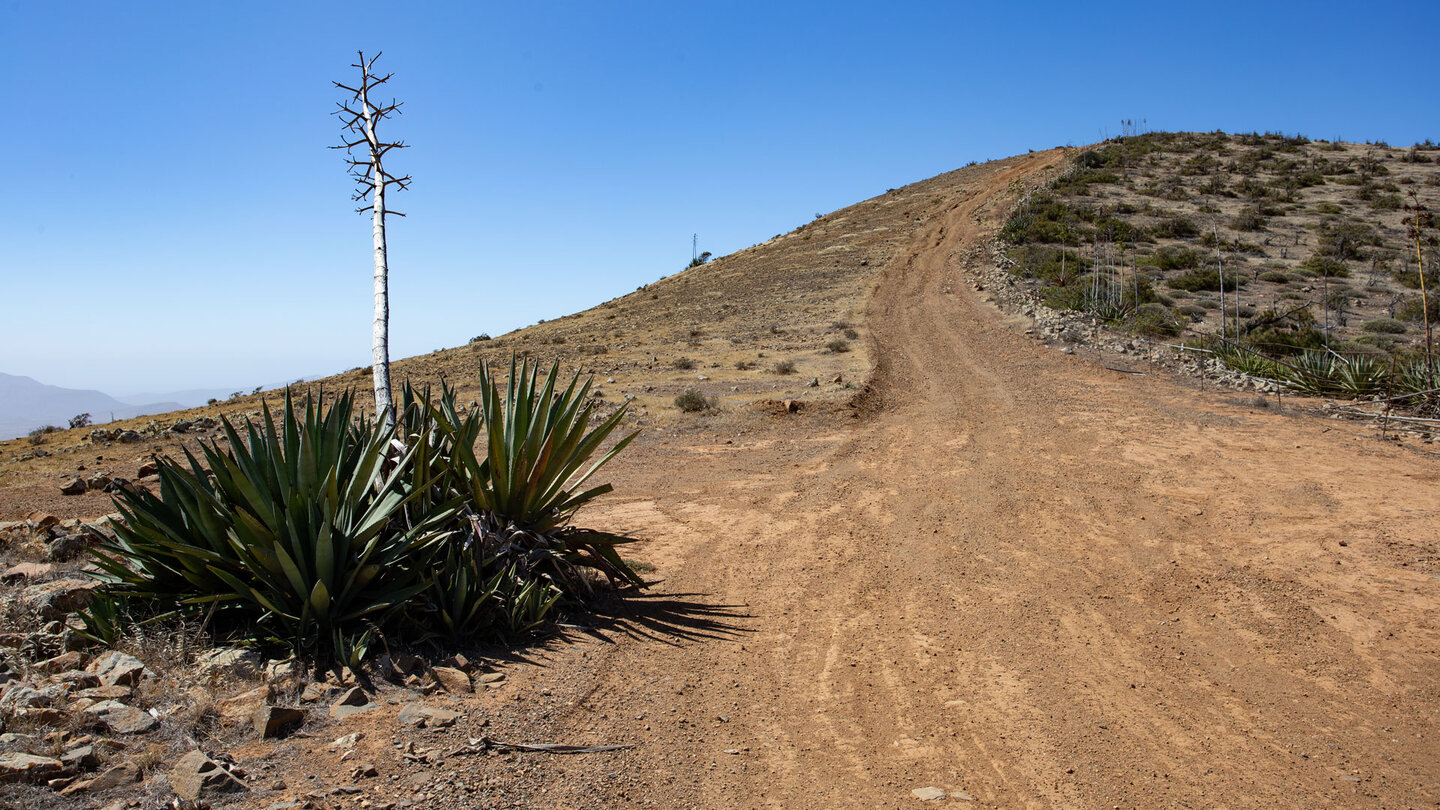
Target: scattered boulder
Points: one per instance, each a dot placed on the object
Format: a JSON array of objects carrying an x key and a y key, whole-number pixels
[
  {"x": 928, "y": 794},
  {"x": 242, "y": 707},
  {"x": 128, "y": 437},
  {"x": 26, "y": 570},
  {"x": 116, "y": 692},
  {"x": 117, "y": 668},
  {"x": 52, "y": 600},
  {"x": 227, "y": 664},
  {"x": 97, "y": 482},
  {"x": 282, "y": 671},
  {"x": 272, "y": 721},
  {"x": 75, "y": 486},
  {"x": 198, "y": 776},
  {"x": 453, "y": 679},
  {"x": 18, "y": 767},
  {"x": 122, "y": 773},
  {"x": 346, "y": 742},
  {"x": 23, "y": 696},
  {"x": 118, "y": 718},
  {"x": 148, "y": 469},
  {"x": 353, "y": 702},
  {"x": 79, "y": 757},
  {"x": 11, "y": 741},
  {"x": 102, "y": 435},
  {"x": 317, "y": 691},
  {"x": 41, "y": 521},
  {"x": 63, "y": 662},
  {"x": 422, "y": 716},
  {"x": 69, "y": 546}
]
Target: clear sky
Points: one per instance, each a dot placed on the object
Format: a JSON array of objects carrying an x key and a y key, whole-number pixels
[{"x": 171, "y": 217}]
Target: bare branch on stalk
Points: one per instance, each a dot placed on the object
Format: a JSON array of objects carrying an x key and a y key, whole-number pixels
[{"x": 360, "y": 118}]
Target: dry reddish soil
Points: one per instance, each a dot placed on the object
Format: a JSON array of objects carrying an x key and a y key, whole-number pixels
[{"x": 1011, "y": 574}]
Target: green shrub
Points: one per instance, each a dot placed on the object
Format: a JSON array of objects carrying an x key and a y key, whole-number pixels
[
  {"x": 1415, "y": 309},
  {"x": 1079, "y": 181},
  {"x": 1176, "y": 227},
  {"x": 1175, "y": 257},
  {"x": 1249, "y": 219},
  {"x": 1387, "y": 326},
  {"x": 1204, "y": 279},
  {"x": 1044, "y": 219},
  {"x": 1274, "y": 277},
  {"x": 692, "y": 401},
  {"x": 1325, "y": 266},
  {"x": 1155, "y": 320}
]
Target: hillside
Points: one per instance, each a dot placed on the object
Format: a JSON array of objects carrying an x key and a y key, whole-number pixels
[
  {"x": 782, "y": 320},
  {"x": 1310, "y": 237},
  {"x": 974, "y": 570}
]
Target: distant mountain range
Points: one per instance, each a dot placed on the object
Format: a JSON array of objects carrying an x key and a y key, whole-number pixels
[{"x": 26, "y": 404}]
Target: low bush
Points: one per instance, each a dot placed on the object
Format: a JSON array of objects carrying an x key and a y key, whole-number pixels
[
  {"x": 682, "y": 364},
  {"x": 1204, "y": 279},
  {"x": 1414, "y": 309},
  {"x": 692, "y": 401},
  {"x": 1386, "y": 326},
  {"x": 1155, "y": 320},
  {"x": 1325, "y": 266},
  {"x": 1176, "y": 227},
  {"x": 784, "y": 367},
  {"x": 1175, "y": 257},
  {"x": 837, "y": 346},
  {"x": 1249, "y": 219}
]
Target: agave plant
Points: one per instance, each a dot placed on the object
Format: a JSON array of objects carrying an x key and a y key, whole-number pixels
[
  {"x": 521, "y": 493},
  {"x": 296, "y": 530},
  {"x": 1361, "y": 376},
  {"x": 1417, "y": 376},
  {"x": 1247, "y": 361},
  {"x": 1313, "y": 373}
]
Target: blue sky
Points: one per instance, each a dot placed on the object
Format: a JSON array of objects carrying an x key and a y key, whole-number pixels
[{"x": 172, "y": 219}]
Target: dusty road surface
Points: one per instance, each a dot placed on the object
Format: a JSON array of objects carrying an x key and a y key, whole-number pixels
[{"x": 1021, "y": 578}]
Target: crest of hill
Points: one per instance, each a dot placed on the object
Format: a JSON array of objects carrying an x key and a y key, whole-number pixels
[{"x": 729, "y": 328}]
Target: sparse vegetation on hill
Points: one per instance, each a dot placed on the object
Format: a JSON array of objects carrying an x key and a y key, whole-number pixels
[{"x": 1272, "y": 244}]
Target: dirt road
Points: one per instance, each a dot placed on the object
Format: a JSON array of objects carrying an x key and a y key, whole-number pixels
[{"x": 1025, "y": 579}]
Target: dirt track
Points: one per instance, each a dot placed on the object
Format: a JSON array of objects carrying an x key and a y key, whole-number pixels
[{"x": 1024, "y": 577}]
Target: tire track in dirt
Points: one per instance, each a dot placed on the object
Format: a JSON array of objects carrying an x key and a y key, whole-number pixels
[{"x": 1029, "y": 579}]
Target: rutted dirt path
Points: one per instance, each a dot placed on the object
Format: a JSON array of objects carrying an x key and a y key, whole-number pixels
[{"x": 1025, "y": 578}]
